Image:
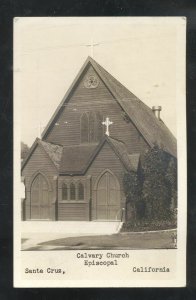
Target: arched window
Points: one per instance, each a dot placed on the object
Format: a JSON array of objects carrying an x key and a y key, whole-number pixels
[
  {"x": 72, "y": 191},
  {"x": 84, "y": 128},
  {"x": 99, "y": 126},
  {"x": 92, "y": 127},
  {"x": 64, "y": 192},
  {"x": 80, "y": 191}
]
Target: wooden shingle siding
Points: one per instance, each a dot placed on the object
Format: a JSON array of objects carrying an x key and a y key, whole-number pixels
[
  {"x": 99, "y": 163},
  {"x": 96, "y": 100},
  {"x": 40, "y": 162},
  {"x": 106, "y": 159},
  {"x": 73, "y": 212}
]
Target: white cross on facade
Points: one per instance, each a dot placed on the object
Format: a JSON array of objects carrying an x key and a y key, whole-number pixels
[
  {"x": 107, "y": 123},
  {"x": 92, "y": 45}
]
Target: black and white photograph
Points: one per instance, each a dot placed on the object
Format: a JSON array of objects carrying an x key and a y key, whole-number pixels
[{"x": 100, "y": 156}]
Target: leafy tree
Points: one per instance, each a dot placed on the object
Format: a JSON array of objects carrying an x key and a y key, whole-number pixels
[
  {"x": 156, "y": 191},
  {"x": 132, "y": 183},
  {"x": 151, "y": 193},
  {"x": 172, "y": 181}
]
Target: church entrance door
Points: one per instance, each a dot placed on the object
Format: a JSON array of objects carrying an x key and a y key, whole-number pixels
[
  {"x": 40, "y": 198},
  {"x": 108, "y": 198}
]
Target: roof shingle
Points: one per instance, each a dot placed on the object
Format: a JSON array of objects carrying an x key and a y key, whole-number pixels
[
  {"x": 122, "y": 152},
  {"x": 153, "y": 129},
  {"x": 54, "y": 152},
  {"x": 75, "y": 158}
]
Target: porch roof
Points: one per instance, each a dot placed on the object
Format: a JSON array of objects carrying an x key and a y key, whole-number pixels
[{"x": 76, "y": 159}]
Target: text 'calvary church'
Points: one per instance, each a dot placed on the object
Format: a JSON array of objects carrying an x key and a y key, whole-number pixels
[{"x": 99, "y": 132}]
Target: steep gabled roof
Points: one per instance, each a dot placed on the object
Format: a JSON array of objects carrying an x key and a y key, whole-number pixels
[
  {"x": 77, "y": 159},
  {"x": 53, "y": 151},
  {"x": 66, "y": 97},
  {"x": 153, "y": 130},
  {"x": 72, "y": 160},
  {"x": 122, "y": 152}
]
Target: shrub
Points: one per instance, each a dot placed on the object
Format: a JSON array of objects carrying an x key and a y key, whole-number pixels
[
  {"x": 158, "y": 188},
  {"x": 151, "y": 193},
  {"x": 149, "y": 225},
  {"x": 132, "y": 183}
]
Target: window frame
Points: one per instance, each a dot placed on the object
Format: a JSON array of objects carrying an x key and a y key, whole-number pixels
[
  {"x": 86, "y": 115},
  {"x": 80, "y": 184},
  {"x": 67, "y": 190},
  {"x": 76, "y": 185},
  {"x": 72, "y": 184},
  {"x": 95, "y": 131}
]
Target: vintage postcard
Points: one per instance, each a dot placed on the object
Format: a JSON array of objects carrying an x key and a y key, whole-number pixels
[{"x": 99, "y": 152}]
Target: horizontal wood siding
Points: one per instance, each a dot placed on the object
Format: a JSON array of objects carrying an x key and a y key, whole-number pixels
[
  {"x": 98, "y": 100},
  {"x": 73, "y": 212},
  {"x": 40, "y": 162},
  {"x": 77, "y": 210},
  {"x": 106, "y": 159}
]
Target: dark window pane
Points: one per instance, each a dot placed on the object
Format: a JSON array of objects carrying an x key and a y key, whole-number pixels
[
  {"x": 99, "y": 126},
  {"x": 92, "y": 127},
  {"x": 80, "y": 191},
  {"x": 72, "y": 192},
  {"x": 84, "y": 128},
  {"x": 64, "y": 192}
]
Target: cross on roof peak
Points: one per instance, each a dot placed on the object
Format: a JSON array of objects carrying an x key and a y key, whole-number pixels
[{"x": 92, "y": 45}]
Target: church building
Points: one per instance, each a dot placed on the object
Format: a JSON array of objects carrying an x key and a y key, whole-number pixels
[{"x": 99, "y": 132}]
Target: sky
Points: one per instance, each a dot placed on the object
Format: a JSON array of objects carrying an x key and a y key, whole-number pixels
[{"x": 48, "y": 53}]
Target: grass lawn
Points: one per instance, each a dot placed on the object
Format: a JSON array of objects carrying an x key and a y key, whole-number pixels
[{"x": 128, "y": 240}]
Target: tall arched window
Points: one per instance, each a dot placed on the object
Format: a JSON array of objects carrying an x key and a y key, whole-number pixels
[
  {"x": 99, "y": 126},
  {"x": 64, "y": 192},
  {"x": 80, "y": 191},
  {"x": 72, "y": 191},
  {"x": 92, "y": 127},
  {"x": 84, "y": 128}
]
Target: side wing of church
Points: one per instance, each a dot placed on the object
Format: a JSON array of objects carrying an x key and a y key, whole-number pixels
[{"x": 99, "y": 132}]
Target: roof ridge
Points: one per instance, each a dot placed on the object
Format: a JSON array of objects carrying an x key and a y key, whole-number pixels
[
  {"x": 81, "y": 145},
  {"x": 50, "y": 143},
  {"x": 141, "y": 115},
  {"x": 40, "y": 142},
  {"x": 116, "y": 80},
  {"x": 116, "y": 139},
  {"x": 95, "y": 152}
]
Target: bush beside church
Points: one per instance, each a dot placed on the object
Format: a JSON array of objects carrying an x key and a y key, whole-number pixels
[{"x": 151, "y": 193}]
